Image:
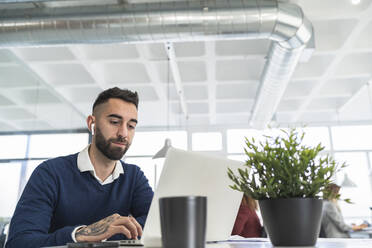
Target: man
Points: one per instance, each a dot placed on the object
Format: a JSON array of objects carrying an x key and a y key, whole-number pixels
[{"x": 92, "y": 195}]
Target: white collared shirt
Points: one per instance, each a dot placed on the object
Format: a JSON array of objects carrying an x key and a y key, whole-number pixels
[{"x": 85, "y": 164}]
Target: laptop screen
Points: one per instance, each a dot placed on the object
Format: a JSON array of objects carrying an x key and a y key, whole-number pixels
[{"x": 193, "y": 173}]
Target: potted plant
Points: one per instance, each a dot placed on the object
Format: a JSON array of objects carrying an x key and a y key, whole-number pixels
[{"x": 288, "y": 179}]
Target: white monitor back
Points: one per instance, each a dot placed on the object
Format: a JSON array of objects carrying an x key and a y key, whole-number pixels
[{"x": 192, "y": 173}]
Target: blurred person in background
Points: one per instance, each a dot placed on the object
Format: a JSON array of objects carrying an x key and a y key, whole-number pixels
[
  {"x": 333, "y": 224},
  {"x": 247, "y": 223}
]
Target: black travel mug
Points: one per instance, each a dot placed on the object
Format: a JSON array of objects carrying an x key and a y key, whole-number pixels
[{"x": 183, "y": 221}]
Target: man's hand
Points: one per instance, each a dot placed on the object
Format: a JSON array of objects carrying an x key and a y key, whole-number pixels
[
  {"x": 359, "y": 227},
  {"x": 108, "y": 227}
]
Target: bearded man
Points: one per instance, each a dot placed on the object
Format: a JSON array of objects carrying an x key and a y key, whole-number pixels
[{"x": 91, "y": 195}]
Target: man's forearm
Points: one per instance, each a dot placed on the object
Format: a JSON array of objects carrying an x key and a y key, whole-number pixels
[
  {"x": 96, "y": 229},
  {"x": 108, "y": 227}
]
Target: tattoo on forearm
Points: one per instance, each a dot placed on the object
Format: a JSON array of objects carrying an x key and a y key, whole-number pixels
[{"x": 97, "y": 228}]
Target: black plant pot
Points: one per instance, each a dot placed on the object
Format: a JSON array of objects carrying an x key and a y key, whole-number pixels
[{"x": 292, "y": 221}]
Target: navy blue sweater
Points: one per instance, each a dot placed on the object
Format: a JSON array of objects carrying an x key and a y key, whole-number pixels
[{"x": 58, "y": 198}]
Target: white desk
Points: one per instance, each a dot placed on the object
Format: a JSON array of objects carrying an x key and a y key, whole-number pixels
[
  {"x": 265, "y": 243},
  {"x": 321, "y": 243}
]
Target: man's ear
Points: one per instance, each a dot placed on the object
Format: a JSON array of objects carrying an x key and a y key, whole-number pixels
[{"x": 90, "y": 124}]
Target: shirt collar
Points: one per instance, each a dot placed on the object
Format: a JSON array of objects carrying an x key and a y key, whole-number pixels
[{"x": 84, "y": 164}]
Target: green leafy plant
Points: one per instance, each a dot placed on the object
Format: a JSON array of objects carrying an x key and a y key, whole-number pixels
[{"x": 282, "y": 167}]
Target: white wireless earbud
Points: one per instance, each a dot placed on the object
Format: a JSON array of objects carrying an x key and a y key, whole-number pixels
[{"x": 92, "y": 128}]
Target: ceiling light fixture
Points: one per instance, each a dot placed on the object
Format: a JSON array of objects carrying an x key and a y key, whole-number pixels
[
  {"x": 163, "y": 151},
  {"x": 355, "y": 2},
  {"x": 347, "y": 182}
]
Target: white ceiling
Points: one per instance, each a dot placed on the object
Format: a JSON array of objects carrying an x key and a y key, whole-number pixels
[{"x": 52, "y": 88}]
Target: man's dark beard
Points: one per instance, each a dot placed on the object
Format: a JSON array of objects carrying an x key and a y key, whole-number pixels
[{"x": 113, "y": 153}]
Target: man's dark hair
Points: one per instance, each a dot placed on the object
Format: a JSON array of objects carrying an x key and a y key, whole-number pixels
[{"x": 123, "y": 94}]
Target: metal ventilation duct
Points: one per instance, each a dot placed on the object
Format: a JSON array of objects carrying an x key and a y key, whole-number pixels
[{"x": 283, "y": 23}]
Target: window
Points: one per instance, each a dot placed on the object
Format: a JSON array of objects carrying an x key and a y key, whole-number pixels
[
  {"x": 236, "y": 137},
  {"x": 345, "y": 139},
  {"x": 147, "y": 165},
  {"x": 352, "y": 137},
  {"x": 352, "y": 144},
  {"x": 236, "y": 140},
  {"x": 54, "y": 145},
  {"x": 149, "y": 143},
  {"x": 358, "y": 172},
  {"x": 9, "y": 182},
  {"x": 13, "y": 146},
  {"x": 315, "y": 135},
  {"x": 211, "y": 141}
]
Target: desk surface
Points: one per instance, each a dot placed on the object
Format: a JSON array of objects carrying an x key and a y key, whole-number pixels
[
  {"x": 321, "y": 243},
  {"x": 366, "y": 232},
  {"x": 265, "y": 243}
]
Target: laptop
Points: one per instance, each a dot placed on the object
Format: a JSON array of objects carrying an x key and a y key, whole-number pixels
[{"x": 193, "y": 173}]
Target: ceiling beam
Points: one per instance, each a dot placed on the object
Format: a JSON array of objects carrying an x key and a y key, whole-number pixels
[{"x": 210, "y": 47}]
